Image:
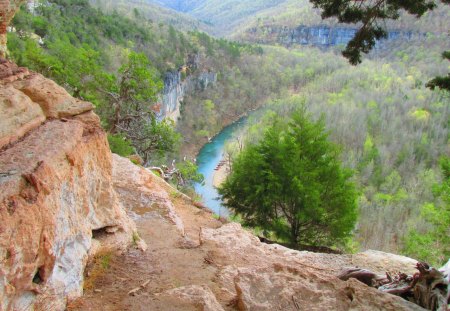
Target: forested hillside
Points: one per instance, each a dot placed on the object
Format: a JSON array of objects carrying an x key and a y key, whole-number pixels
[
  {"x": 392, "y": 129},
  {"x": 94, "y": 60},
  {"x": 108, "y": 59},
  {"x": 223, "y": 16},
  {"x": 271, "y": 25},
  {"x": 152, "y": 12}
]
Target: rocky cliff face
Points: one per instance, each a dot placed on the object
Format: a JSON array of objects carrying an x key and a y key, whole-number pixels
[
  {"x": 175, "y": 88},
  {"x": 58, "y": 205},
  {"x": 7, "y": 10},
  {"x": 322, "y": 36}
]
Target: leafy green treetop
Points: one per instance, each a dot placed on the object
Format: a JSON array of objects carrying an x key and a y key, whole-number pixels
[
  {"x": 132, "y": 95},
  {"x": 433, "y": 245},
  {"x": 292, "y": 184}
]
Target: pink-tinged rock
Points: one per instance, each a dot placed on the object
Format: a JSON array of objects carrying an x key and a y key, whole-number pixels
[
  {"x": 299, "y": 288},
  {"x": 10, "y": 72},
  {"x": 199, "y": 296},
  {"x": 273, "y": 277},
  {"x": 7, "y": 10},
  {"x": 140, "y": 193},
  {"x": 19, "y": 115},
  {"x": 53, "y": 99},
  {"x": 381, "y": 262},
  {"x": 56, "y": 192}
]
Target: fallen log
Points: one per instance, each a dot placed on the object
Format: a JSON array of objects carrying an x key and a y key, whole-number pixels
[
  {"x": 428, "y": 288},
  {"x": 365, "y": 276},
  {"x": 168, "y": 174}
]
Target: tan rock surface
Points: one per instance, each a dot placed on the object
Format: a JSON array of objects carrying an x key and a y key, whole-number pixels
[
  {"x": 291, "y": 289},
  {"x": 19, "y": 115},
  {"x": 140, "y": 193},
  {"x": 200, "y": 296},
  {"x": 231, "y": 266},
  {"x": 381, "y": 262},
  {"x": 28, "y": 99},
  {"x": 272, "y": 277},
  {"x": 57, "y": 201},
  {"x": 10, "y": 72},
  {"x": 53, "y": 99},
  {"x": 55, "y": 192}
]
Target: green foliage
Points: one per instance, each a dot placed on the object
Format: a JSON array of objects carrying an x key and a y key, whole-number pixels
[
  {"x": 421, "y": 115},
  {"x": 292, "y": 183},
  {"x": 117, "y": 63},
  {"x": 119, "y": 145},
  {"x": 368, "y": 15},
  {"x": 247, "y": 83},
  {"x": 222, "y": 15},
  {"x": 135, "y": 238},
  {"x": 189, "y": 173},
  {"x": 130, "y": 113},
  {"x": 433, "y": 245},
  {"x": 105, "y": 260},
  {"x": 380, "y": 135},
  {"x": 138, "y": 79}
]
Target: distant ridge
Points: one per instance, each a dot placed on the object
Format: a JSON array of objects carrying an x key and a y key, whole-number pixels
[{"x": 153, "y": 11}]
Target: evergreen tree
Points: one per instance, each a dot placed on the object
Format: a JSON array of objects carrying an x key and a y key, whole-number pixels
[{"x": 292, "y": 184}]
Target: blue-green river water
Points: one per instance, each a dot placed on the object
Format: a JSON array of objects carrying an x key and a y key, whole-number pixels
[{"x": 207, "y": 160}]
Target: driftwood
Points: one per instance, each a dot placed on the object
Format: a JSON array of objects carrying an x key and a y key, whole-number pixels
[
  {"x": 169, "y": 174},
  {"x": 365, "y": 276},
  {"x": 428, "y": 288}
]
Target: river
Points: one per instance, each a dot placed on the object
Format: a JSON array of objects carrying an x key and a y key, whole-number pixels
[{"x": 207, "y": 160}]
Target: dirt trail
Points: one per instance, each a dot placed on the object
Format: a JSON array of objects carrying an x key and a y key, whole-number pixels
[{"x": 171, "y": 261}]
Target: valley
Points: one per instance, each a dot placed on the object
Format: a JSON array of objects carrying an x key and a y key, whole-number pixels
[
  {"x": 319, "y": 154},
  {"x": 206, "y": 84}
]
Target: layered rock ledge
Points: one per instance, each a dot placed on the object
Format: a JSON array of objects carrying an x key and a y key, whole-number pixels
[{"x": 58, "y": 205}]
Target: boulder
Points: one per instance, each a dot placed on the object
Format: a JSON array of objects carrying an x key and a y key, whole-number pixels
[
  {"x": 140, "y": 193},
  {"x": 19, "y": 115},
  {"x": 53, "y": 99},
  {"x": 57, "y": 198},
  {"x": 28, "y": 99},
  {"x": 288, "y": 288},
  {"x": 381, "y": 262},
  {"x": 196, "y": 295},
  {"x": 272, "y": 277},
  {"x": 56, "y": 193}
]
